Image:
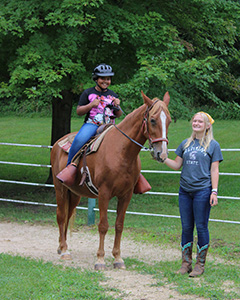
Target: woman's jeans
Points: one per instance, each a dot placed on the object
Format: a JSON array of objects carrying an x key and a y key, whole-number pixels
[
  {"x": 84, "y": 134},
  {"x": 195, "y": 208}
]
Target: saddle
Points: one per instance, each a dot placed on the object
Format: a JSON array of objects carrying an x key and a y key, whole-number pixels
[
  {"x": 87, "y": 149},
  {"x": 66, "y": 143}
]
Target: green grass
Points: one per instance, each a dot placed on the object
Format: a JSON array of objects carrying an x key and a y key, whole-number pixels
[
  {"x": 30, "y": 279},
  {"x": 37, "y": 131},
  {"x": 219, "y": 281},
  {"x": 152, "y": 230}
]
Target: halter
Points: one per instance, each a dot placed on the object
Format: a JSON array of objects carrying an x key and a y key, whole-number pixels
[
  {"x": 143, "y": 129},
  {"x": 145, "y": 126}
]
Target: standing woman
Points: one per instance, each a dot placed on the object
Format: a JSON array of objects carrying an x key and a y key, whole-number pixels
[
  {"x": 101, "y": 106},
  {"x": 199, "y": 156}
]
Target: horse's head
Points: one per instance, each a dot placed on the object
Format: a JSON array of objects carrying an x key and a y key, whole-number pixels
[{"x": 155, "y": 125}]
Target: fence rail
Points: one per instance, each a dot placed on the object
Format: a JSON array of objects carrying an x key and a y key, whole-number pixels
[
  {"x": 150, "y": 193},
  {"x": 93, "y": 208}
]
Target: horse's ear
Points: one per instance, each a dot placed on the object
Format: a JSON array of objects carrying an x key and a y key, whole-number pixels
[
  {"x": 166, "y": 98},
  {"x": 147, "y": 100}
]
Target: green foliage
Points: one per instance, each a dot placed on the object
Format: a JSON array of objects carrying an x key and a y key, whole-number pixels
[
  {"x": 188, "y": 47},
  {"x": 45, "y": 53}
]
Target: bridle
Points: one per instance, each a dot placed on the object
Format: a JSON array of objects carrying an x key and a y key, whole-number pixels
[
  {"x": 145, "y": 126},
  {"x": 144, "y": 129}
]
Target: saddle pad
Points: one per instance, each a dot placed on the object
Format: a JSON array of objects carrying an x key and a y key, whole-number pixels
[
  {"x": 96, "y": 143},
  {"x": 66, "y": 143},
  {"x": 90, "y": 147}
]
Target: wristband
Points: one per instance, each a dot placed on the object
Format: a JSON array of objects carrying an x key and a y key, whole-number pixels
[{"x": 215, "y": 193}]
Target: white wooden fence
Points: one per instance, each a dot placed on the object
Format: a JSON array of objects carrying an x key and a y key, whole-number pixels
[{"x": 91, "y": 203}]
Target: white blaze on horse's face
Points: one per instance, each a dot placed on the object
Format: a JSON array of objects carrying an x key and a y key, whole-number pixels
[
  {"x": 159, "y": 120},
  {"x": 163, "y": 118},
  {"x": 160, "y": 151}
]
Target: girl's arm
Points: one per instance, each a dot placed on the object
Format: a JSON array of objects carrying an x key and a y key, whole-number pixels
[
  {"x": 174, "y": 164},
  {"x": 83, "y": 109},
  {"x": 214, "y": 179}
]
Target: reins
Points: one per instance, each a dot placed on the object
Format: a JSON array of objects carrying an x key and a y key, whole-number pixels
[
  {"x": 144, "y": 124},
  {"x": 145, "y": 148}
]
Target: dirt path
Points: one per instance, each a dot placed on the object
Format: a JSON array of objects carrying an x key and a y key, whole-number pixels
[{"x": 24, "y": 240}]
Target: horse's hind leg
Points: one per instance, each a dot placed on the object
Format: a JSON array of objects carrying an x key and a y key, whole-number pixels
[{"x": 66, "y": 203}]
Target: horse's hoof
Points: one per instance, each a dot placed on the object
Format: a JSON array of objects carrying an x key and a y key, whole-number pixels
[
  {"x": 66, "y": 256},
  {"x": 119, "y": 265},
  {"x": 100, "y": 267}
]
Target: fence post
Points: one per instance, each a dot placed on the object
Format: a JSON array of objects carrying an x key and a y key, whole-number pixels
[{"x": 91, "y": 212}]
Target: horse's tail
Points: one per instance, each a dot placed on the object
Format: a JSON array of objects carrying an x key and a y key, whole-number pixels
[
  {"x": 72, "y": 201},
  {"x": 72, "y": 220}
]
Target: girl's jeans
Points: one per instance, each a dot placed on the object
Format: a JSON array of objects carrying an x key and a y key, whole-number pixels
[
  {"x": 195, "y": 208},
  {"x": 84, "y": 134}
]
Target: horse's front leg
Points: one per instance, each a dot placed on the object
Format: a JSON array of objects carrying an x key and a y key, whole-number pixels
[
  {"x": 103, "y": 202},
  {"x": 121, "y": 212}
]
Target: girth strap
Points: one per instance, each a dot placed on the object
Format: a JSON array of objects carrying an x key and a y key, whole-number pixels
[
  {"x": 86, "y": 176},
  {"x": 84, "y": 168}
]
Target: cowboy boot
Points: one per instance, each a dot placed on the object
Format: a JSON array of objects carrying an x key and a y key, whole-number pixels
[
  {"x": 142, "y": 186},
  {"x": 186, "y": 259},
  {"x": 68, "y": 175},
  {"x": 201, "y": 259}
]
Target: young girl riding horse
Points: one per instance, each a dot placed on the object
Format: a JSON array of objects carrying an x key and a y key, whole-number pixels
[{"x": 101, "y": 106}]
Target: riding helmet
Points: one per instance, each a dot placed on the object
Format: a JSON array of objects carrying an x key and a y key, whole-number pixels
[{"x": 102, "y": 70}]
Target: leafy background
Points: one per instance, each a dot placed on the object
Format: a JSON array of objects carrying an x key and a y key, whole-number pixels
[{"x": 188, "y": 47}]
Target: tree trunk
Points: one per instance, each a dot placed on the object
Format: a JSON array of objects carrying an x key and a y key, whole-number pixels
[{"x": 61, "y": 119}]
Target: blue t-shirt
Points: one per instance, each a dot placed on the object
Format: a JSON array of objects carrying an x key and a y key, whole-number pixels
[{"x": 196, "y": 168}]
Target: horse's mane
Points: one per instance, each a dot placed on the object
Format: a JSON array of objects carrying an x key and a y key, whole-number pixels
[
  {"x": 154, "y": 109},
  {"x": 130, "y": 116}
]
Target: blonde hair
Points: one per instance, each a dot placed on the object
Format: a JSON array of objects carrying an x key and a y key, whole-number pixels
[{"x": 208, "y": 134}]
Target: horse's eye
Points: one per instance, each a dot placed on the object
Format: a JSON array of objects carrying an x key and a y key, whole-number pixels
[{"x": 153, "y": 122}]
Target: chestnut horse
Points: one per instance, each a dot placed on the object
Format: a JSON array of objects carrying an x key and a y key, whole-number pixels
[{"x": 114, "y": 170}]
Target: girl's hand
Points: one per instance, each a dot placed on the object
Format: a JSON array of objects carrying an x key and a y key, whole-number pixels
[
  {"x": 116, "y": 102},
  {"x": 213, "y": 199},
  {"x": 96, "y": 102}
]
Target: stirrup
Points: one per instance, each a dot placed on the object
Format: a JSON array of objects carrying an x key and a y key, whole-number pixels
[
  {"x": 142, "y": 186},
  {"x": 68, "y": 175}
]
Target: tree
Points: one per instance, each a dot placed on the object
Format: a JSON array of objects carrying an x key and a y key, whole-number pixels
[
  {"x": 45, "y": 60},
  {"x": 189, "y": 47},
  {"x": 192, "y": 49}
]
